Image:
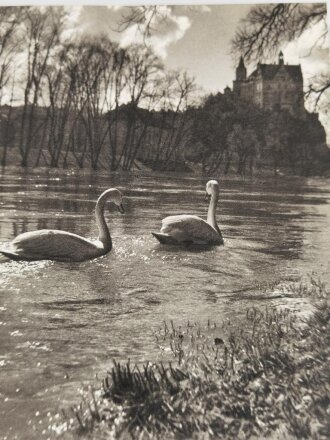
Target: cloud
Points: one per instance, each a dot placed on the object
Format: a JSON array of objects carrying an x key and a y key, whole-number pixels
[
  {"x": 170, "y": 28},
  {"x": 200, "y": 8},
  {"x": 91, "y": 20},
  {"x": 74, "y": 13},
  {"x": 161, "y": 43},
  {"x": 205, "y": 8},
  {"x": 115, "y": 7},
  {"x": 310, "y": 50},
  {"x": 72, "y": 26}
]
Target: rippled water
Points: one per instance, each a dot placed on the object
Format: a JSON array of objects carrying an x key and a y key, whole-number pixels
[{"x": 62, "y": 323}]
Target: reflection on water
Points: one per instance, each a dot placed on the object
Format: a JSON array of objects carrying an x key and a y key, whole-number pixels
[{"x": 61, "y": 323}]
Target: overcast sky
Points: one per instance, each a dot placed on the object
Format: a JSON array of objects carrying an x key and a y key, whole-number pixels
[{"x": 197, "y": 39}]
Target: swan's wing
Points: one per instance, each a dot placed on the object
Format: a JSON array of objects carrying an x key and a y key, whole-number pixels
[
  {"x": 53, "y": 245},
  {"x": 164, "y": 238},
  {"x": 190, "y": 229}
]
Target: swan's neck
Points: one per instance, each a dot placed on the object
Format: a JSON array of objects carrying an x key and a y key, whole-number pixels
[
  {"x": 104, "y": 234},
  {"x": 211, "y": 220}
]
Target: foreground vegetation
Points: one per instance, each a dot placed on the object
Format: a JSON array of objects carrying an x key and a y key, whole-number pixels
[{"x": 269, "y": 379}]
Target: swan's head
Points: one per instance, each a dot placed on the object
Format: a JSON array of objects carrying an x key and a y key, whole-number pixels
[
  {"x": 212, "y": 187},
  {"x": 115, "y": 196}
]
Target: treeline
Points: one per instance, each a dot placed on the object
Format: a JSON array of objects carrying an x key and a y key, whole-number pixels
[
  {"x": 233, "y": 135},
  {"x": 84, "y": 100},
  {"x": 76, "y": 100}
]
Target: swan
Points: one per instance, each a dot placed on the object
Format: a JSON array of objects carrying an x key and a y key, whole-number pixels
[
  {"x": 190, "y": 229},
  {"x": 54, "y": 244}
]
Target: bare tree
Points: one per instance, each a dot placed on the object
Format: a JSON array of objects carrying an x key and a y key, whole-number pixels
[
  {"x": 76, "y": 140},
  {"x": 318, "y": 89},
  {"x": 178, "y": 117},
  {"x": 140, "y": 76},
  {"x": 159, "y": 121},
  {"x": 114, "y": 84},
  {"x": 146, "y": 19},
  {"x": 92, "y": 65},
  {"x": 10, "y": 19},
  {"x": 42, "y": 28},
  {"x": 267, "y": 27},
  {"x": 59, "y": 94},
  {"x": 7, "y": 127}
]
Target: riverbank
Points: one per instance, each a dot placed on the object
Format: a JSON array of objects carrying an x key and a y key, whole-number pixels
[
  {"x": 267, "y": 378},
  {"x": 70, "y": 161}
]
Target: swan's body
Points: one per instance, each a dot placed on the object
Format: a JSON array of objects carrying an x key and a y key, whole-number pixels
[
  {"x": 49, "y": 244},
  {"x": 190, "y": 229}
]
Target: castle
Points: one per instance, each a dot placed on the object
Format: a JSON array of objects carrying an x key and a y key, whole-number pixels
[{"x": 271, "y": 86}]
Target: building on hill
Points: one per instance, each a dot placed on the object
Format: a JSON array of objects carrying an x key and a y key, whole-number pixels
[{"x": 272, "y": 86}]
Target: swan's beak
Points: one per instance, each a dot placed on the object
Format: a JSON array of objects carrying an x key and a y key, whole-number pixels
[
  {"x": 207, "y": 197},
  {"x": 121, "y": 209}
]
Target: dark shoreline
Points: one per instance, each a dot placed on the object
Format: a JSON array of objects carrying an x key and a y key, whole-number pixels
[{"x": 186, "y": 170}]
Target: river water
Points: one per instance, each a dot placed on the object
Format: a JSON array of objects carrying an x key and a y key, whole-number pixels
[{"x": 60, "y": 323}]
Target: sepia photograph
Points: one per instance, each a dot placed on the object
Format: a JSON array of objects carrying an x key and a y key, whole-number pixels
[{"x": 164, "y": 221}]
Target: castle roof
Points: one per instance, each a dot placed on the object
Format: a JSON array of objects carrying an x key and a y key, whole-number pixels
[
  {"x": 268, "y": 71},
  {"x": 241, "y": 63}
]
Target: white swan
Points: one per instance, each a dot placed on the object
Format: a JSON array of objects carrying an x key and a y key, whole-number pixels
[
  {"x": 48, "y": 244},
  {"x": 190, "y": 229}
]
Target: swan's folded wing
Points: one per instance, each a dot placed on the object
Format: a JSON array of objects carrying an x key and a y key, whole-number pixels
[
  {"x": 50, "y": 244},
  {"x": 189, "y": 228}
]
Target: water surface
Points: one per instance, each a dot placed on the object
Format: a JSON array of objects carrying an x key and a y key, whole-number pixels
[{"x": 60, "y": 323}]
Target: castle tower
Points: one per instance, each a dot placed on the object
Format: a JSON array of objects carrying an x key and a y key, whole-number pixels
[
  {"x": 280, "y": 58},
  {"x": 241, "y": 71},
  {"x": 240, "y": 76}
]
